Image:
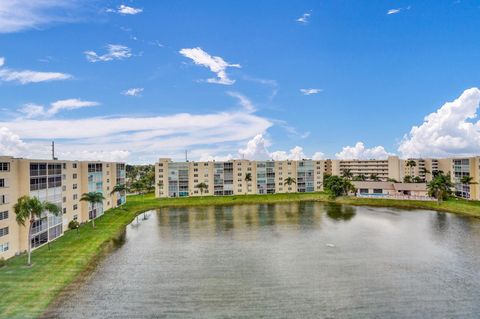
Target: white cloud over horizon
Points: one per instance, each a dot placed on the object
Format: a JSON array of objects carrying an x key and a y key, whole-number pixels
[
  {"x": 29, "y": 76},
  {"x": 450, "y": 131},
  {"x": 126, "y": 10},
  {"x": 359, "y": 151},
  {"x": 114, "y": 52},
  {"x": 216, "y": 64}
]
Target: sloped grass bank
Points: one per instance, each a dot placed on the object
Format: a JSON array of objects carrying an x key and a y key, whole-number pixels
[{"x": 27, "y": 291}]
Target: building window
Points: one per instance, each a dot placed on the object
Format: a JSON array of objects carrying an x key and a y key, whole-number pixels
[
  {"x": 378, "y": 191},
  {"x": 4, "y": 215},
  {"x": 64, "y": 199},
  {"x": 4, "y": 167},
  {"x": 74, "y": 165},
  {"x": 74, "y": 176},
  {"x": 64, "y": 210},
  {"x": 75, "y": 207},
  {"x": 75, "y": 196},
  {"x": 74, "y": 186},
  {"x": 2, "y": 182},
  {"x": 3, "y": 231},
  {"x": 3, "y": 247},
  {"x": 3, "y": 199}
]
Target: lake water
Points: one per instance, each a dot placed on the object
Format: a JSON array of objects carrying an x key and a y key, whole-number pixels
[{"x": 295, "y": 260}]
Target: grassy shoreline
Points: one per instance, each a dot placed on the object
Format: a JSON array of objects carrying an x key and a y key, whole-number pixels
[{"x": 27, "y": 291}]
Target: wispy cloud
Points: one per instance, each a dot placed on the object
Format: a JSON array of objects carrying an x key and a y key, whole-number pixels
[
  {"x": 305, "y": 18},
  {"x": 133, "y": 92},
  {"x": 243, "y": 101},
  {"x": 215, "y": 63},
  {"x": 19, "y": 15},
  {"x": 114, "y": 52},
  {"x": 310, "y": 91},
  {"x": 28, "y": 76},
  {"x": 397, "y": 10},
  {"x": 31, "y": 110}
]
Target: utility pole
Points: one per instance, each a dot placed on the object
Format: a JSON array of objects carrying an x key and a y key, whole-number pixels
[{"x": 53, "y": 151}]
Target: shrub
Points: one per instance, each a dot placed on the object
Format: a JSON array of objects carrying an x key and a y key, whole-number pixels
[
  {"x": 73, "y": 224},
  {"x": 3, "y": 263}
]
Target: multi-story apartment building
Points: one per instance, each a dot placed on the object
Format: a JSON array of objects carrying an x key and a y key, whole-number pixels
[
  {"x": 179, "y": 179},
  {"x": 56, "y": 181}
]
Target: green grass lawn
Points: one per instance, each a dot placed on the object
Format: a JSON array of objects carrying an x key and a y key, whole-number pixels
[{"x": 27, "y": 291}]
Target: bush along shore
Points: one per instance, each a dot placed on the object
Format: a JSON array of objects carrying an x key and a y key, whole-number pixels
[{"x": 27, "y": 291}]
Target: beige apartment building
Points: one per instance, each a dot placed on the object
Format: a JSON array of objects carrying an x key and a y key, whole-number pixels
[
  {"x": 235, "y": 177},
  {"x": 178, "y": 179},
  {"x": 56, "y": 181}
]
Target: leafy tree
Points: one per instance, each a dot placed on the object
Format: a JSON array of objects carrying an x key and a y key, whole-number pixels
[
  {"x": 407, "y": 179},
  {"x": 202, "y": 187},
  {"x": 418, "y": 179},
  {"x": 93, "y": 198},
  {"x": 248, "y": 178},
  {"x": 337, "y": 185},
  {"x": 392, "y": 180},
  {"x": 30, "y": 209},
  {"x": 289, "y": 181},
  {"x": 360, "y": 177},
  {"x": 347, "y": 173},
  {"x": 440, "y": 187}
]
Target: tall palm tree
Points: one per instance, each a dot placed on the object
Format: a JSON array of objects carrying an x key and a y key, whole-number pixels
[
  {"x": 248, "y": 178},
  {"x": 202, "y": 187},
  {"x": 407, "y": 179},
  {"x": 411, "y": 163},
  {"x": 31, "y": 209},
  {"x": 347, "y": 173},
  {"x": 120, "y": 188},
  {"x": 440, "y": 186},
  {"x": 374, "y": 177},
  {"x": 289, "y": 181},
  {"x": 468, "y": 180},
  {"x": 93, "y": 198}
]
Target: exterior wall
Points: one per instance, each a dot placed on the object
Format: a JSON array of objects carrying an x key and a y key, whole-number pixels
[
  {"x": 384, "y": 169},
  {"x": 56, "y": 181}
]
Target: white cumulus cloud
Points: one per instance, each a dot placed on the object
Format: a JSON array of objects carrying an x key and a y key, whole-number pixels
[
  {"x": 450, "y": 131},
  {"x": 123, "y": 9},
  {"x": 215, "y": 63},
  {"x": 310, "y": 91},
  {"x": 114, "y": 52},
  {"x": 10, "y": 143},
  {"x": 359, "y": 151},
  {"x": 28, "y": 76},
  {"x": 133, "y": 92}
]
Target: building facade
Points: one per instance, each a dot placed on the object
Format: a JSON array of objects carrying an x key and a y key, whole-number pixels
[
  {"x": 179, "y": 179},
  {"x": 235, "y": 177},
  {"x": 56, "y": 181}
]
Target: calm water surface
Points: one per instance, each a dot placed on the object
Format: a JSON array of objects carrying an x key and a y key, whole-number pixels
[{"x": 296, "y": 260}]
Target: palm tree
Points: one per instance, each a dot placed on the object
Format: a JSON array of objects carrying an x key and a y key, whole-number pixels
[
  {"x": 374, "y": 177},
  {"x": 468, "y": 180},
  {"x": 93, "y": 198},
  {"x": 289, "y": 181},
  {"x": 411, "y": 163},
  {"x": 119, "y": 188},
  {"x": 418, "y": 179},
  {"x": 202, "y": 187},
  {"x": 31, "y": 209},
  {"x": 248, "y": 178},
  {"x": 347, "y": 173},
  {"x": 407, "y": 179},
  {"x": 440, "y": 187}
]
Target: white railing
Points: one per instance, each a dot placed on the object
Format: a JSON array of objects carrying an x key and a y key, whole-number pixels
[{"x": 403, "y": 197}]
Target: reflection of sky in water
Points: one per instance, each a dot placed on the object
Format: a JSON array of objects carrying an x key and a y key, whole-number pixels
[{"x": 304, "y": 259}]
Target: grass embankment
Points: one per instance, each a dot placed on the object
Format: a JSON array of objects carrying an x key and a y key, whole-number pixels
[{"x": 27, "y": 291}]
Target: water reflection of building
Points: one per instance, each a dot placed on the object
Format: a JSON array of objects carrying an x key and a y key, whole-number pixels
[{"x": 209, "y": 221}]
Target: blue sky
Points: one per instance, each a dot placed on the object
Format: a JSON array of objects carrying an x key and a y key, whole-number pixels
[{"x": 138, "y": 80}]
